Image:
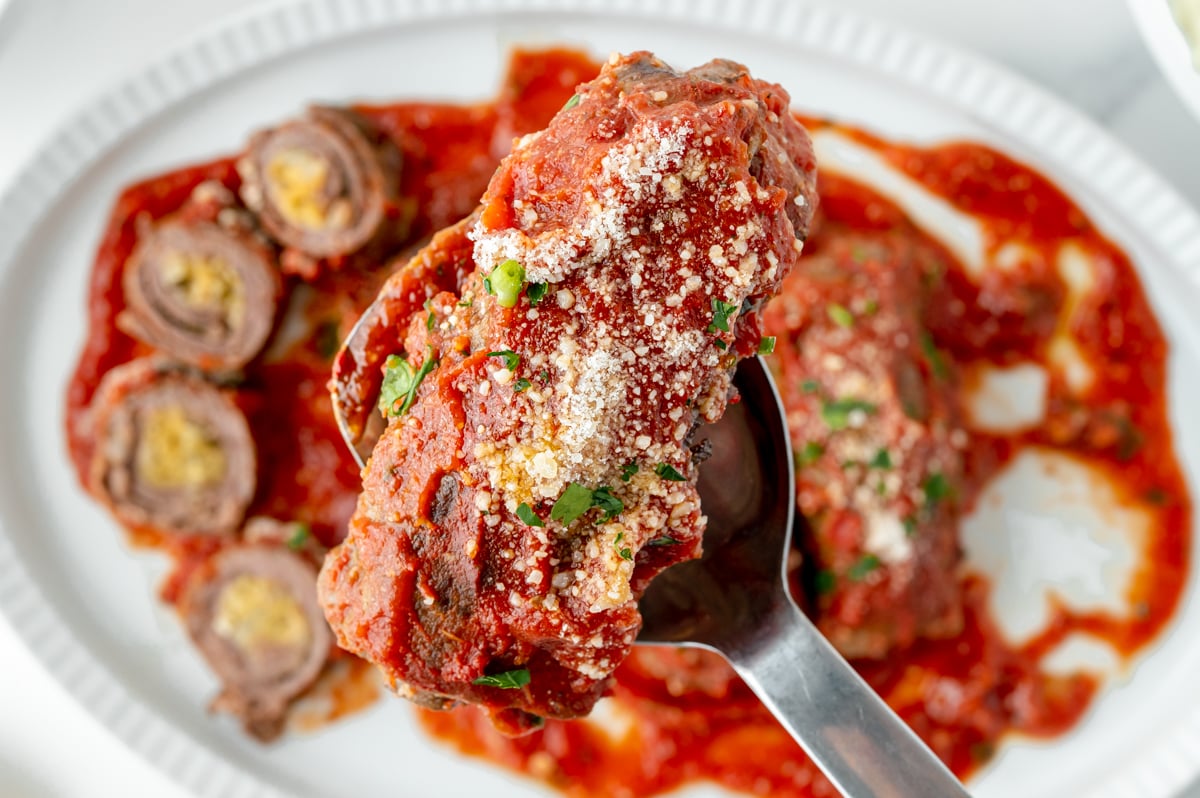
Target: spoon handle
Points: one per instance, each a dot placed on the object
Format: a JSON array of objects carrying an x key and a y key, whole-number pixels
[{"x": 855, "y": 738}]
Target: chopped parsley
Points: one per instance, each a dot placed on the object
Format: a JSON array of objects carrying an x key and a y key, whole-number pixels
[
  {"x": 328, "y": 339},
  {"x": 863, "y": 568},
  {"x": 824, "y": 582},
  {"x": 662, "y": 540},
  {"x": 871, "y": 308},
  {"x": 571, "y": 103},
  {"x": 536, "y": 291},
  {"x": 836, "y": 413},
  {"x": 505, "y": 282},
  {"x": 522, "y": 384},
  {"x": 721, "y": 344},
  {"x": 574, "y": 502},
  {"x": 528, "y": 516},
  {"x": 882, "y": 459},
  {"x": 608, "y": 504},
  {"x": 511, "y": 358},
  {"x": 628, "y": 470},
  {"x": 810, "y": 386},
  {"x": 299, "y": 537},
  {"x": 509, "y": 680},
  {"x": 466, "y": 303},
  {"x": 668, "y": 472},
  {"x": 721, "y": 313},
  {"x": 840, "y": 315},
  {"x": 934, "y": 357},
  {"x": 766, "y": 345},
  {"x": 624, "y": 551},
  {"x": 577, "y": 500},
  {"x": 936, "y": 488},
  {"x": 808, "y": 455},
  {"x": 400, "y": 383},
  {"x": 910, "y": 525}
]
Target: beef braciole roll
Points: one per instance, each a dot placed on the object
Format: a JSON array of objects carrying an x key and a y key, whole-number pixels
[
  {"x": 252, "y": 611},
  {"x": 535, "y": 472},
  {"x": 202, "y": 291},
  {"x": 874, "y": 417},
  {"x": 172, "y": 452},
  {"x": 324, "y": 185}
]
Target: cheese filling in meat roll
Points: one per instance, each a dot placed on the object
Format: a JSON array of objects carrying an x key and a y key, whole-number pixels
[
  {"x": 252, "y": 611},
  {"x": 874, "y": 415},
  {"x": 324, "y": 185},
  {"x": 172, "y": 452},
  {"x": 536, "y": 469},
  {"x": 202, "y": 292}
]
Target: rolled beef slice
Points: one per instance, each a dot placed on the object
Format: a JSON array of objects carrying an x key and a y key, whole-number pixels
[
  {"x": 535, "y": 472},
  {"x": 202, "y": 292},
  {"x": 876, "y": 430},
  {"x": 172, "y": 452},
  {"x": 252, "y": 611},
  {"x": 324, "y": 185}
]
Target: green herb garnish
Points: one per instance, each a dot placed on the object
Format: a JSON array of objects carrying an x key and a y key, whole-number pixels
[
  {"x": 824, "y": 582},
  {"x": 721, "y": 344},
  {"x": 668, "y": 472},
  {"x": 328, "y": 339},
  {"x": 506, "y": 282},
  {"x": 400, "y": 383},
  {"x": 299, "y": 537},
  {"x": 936, "y": 488},
  {"x": 628, "y": 470},
  {"x": 662, "y": 540},
  {"x": 910, "y": 525},
  {"x": 810, "y": 386},
  {"x": 840, "y": 316},
  {"x": 574, "y": 502},
  {"x": 861, "y": 569},
  {"x": 934, "y": 357},
  {"x": 521, "y": 385},
  {"x": 766, "y": 345},
  {"x": 527, "y": 515},
  {"x": 536, "y": 291},
  {"x": 624, "y": 551},
  {"x": 509, "y": 680},
  {"x": 609, "y": 504},
  {"x": 721, "y": 313},
  {"x": 511, "y": 358},
  {"x": 882, "y": 459},
  {"x": 571, "y": 103},
  {"x": 836, "y": 414},
  {"x": 808, "y": 455}
]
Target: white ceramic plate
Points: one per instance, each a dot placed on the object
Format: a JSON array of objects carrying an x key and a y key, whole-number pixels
[
  {"x": 1170, "y": 49},
  {"x": 86, "y": 606}
]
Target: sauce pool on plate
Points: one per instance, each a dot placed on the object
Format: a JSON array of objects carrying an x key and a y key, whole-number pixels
[{"x": 1052, "y": 297}]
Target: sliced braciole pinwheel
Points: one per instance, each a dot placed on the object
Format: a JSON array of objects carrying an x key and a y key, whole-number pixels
[{"x": 172, "y": 452}]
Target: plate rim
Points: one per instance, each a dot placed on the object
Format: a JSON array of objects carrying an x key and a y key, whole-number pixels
[{"x": 1025, "y": 113}]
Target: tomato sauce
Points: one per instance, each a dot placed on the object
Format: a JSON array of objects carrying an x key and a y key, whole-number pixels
[{"x": 681, "y": 716}]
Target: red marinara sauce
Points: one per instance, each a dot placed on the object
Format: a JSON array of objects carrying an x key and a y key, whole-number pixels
[{"x": 680, "y": 716}]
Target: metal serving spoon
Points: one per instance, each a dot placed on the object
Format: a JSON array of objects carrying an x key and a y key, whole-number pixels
[{"x": 734, "y": 600}]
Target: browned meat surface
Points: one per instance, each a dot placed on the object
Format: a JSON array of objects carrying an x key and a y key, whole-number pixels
[
  {"x": 874, "y": 416},
  {"x": 324, "y": 186},
  {"x": 203, "y": 286},
  {"x": 172, "y": 452},
  {"x": 535, "y": 472},
  {"x": 252, "y": 611}
]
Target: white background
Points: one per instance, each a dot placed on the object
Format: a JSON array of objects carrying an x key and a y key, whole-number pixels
[{"x": 56, "y": 54}]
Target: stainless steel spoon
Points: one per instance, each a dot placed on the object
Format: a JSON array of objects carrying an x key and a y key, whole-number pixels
[{"x": 735, "y": 601}]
